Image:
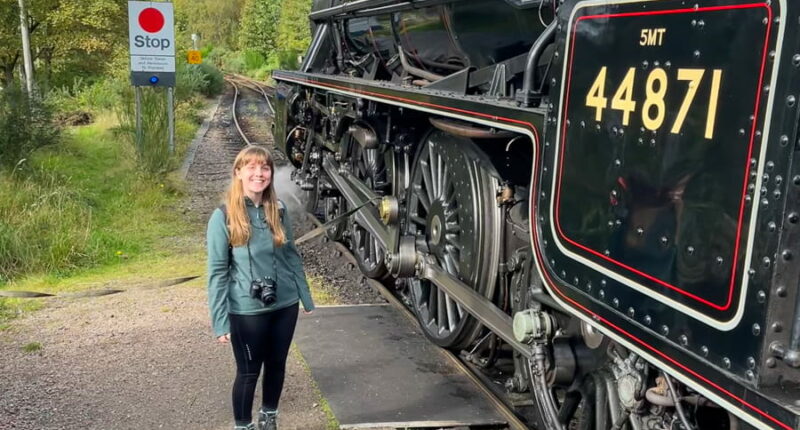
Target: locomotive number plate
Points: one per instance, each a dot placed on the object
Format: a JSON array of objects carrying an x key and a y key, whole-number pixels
[{"x": 656, "y": 146}]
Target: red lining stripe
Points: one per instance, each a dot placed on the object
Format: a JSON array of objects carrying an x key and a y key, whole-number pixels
[{"x": 737, "y": 246}]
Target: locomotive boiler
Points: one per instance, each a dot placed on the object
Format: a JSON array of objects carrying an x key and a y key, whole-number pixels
[{"x": 600, "y": 198}]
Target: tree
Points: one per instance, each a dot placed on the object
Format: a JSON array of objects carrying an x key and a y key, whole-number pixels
[
  {"x": 216, "y": 21},
  {"x": 259, "y": 25},
  {"x": 294, "y": 34}
]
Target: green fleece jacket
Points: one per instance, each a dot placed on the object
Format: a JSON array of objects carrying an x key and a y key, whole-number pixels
[{"x": 229, "y": 269}]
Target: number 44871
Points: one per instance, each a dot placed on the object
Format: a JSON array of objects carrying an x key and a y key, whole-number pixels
[{"x": 653, "y": 109}]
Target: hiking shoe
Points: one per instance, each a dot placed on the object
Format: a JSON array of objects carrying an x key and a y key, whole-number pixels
[
  {"x": 267, "y": 420},
  {"x": 250, "y": 426}
]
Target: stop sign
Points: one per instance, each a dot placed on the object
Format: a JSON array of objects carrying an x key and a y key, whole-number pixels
[
  {"x": 151, "y": 42},
  {"x": 151, "y": 28}
]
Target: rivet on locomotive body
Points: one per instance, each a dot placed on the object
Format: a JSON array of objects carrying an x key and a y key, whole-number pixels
[
  {"x": 647, "y": 320},
  {"x": 781, "y": 291},
  {"x": 741, "y": 132},
  {"x": 690, "y": 250},
  {"x": 777, "y": 327},
  {"x": 771, "y": 362},
  {"x": 583, "y": 124},
  {"x": 603, "y": 283},
  {"x": 639, "y": 231},
  {"x": 615, "y": 302},
  {"x": 761, "y": 296},
  {"x": 668, "y": 64},
  {"x": 589, "y": 286},
  {"x": 645, "y": 64},
  {"x": 607, "y": 253},
  {"x": 664, "y": 330},
  {"x": 656, "y": 63},
  {"x": 751, "y": 272},
  {"x": 602, "y": 294},
  {"x": 719, "y": 260},
  {"x": 756, "y": 329},
  {"x": 704, "y": 350},
  {"x": 776, "y": 194},
  {"x": 726, "y": 362},
  {"x": 664, "y": 241},
  {"x": 786, "y": 255},
  {"x": 684, "y": 340},
  {"x": 576, "y": 281},
  {"x": 763, "y": 191},
  {"x": 793, "y": 218},
  {"x": 778, "y": 179},
  {"x": 652, "y": 143},
  {"x": 748, "y": 199},
  {"x": 790, "y": 101},
  {"x": 563, "y": 275},
  {"x": 750, "y": 375},
  {"x": 597, "y": 127},
  {"x": 766, "y": 262},
  {"x": 784, "y": 140},
  {"x": 796, "y": 179},
  {"x": 750, "y": 187},
  {"x": 765, "y": 178},
  {"x": 696, "y": 53},
  {"x": 751, "y": 362},
  {"x": 767, "y": 88},
  {"x": 631, "y": 312},
  {"x": 771, "y": 226}
]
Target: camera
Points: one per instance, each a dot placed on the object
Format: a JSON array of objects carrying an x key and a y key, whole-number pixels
[{"x": 264, "y": 289}]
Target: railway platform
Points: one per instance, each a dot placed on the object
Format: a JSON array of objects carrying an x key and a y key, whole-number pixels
[{"x": 378, "y": 371}]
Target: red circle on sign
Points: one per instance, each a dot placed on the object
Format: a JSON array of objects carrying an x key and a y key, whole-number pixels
[{"x": 151, "y": 20}]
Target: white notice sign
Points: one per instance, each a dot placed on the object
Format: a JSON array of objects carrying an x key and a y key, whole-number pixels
[{"x": 151, "y": 36}]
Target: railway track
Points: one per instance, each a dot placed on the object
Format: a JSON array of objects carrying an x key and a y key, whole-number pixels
[{"x": 488, "y": 385}]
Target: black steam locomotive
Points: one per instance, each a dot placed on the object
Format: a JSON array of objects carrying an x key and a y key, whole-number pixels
[{"x": 606, "y": 191}]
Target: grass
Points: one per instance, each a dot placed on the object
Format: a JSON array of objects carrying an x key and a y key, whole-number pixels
[
  {"x": 81, "y": 213},
  {"x": 319, "y": 293},
  {"x": 32, "y": 347}
]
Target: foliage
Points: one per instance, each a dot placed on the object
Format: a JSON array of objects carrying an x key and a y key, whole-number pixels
[
  {"x": 80, "y": 204},
  {"x": 151, "y": 144},
  {"x": 25, "y": 125},
  {"x": 293, "y": 33},
  {"x": 68, "y": 38},
  {"x": 198, "y": 78},
  {"x": 216, "y": 22},
  {"x": 259, "y": 24}
]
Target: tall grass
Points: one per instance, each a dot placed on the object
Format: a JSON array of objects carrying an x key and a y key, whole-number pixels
[
  {"x": 151, "y": 145},
  {"x": 79, "y": 204}
]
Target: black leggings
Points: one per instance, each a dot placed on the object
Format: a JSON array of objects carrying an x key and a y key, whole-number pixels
[{"x": 260, "y": 339}]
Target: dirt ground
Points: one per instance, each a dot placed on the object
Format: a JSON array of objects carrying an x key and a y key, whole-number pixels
[{"x": 145, "y": 358}]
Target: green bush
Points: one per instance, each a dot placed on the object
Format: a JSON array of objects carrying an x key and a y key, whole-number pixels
[
  {"x": 25, "y": 125},
  {"x": 216, "y": 82}
]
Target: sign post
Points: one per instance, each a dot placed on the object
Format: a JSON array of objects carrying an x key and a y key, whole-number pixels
[{"x": 151, "y": 31}]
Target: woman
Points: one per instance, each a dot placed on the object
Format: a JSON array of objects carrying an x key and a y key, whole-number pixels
[{"x": 255, "y": 280}]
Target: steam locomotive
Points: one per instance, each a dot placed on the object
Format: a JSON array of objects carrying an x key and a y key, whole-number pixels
[{"x": 605, "y": 191}]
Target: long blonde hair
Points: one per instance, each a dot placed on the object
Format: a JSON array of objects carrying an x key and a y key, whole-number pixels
[{"x": 237, "y": 219}]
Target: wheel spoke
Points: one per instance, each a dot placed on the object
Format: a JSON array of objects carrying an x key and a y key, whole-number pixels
[
  {"x": 441, "y": 307},
  {"x": 423, "y": 197},
  {"x": 426, "y": 178},
  {"x": 452, "y": 321}
]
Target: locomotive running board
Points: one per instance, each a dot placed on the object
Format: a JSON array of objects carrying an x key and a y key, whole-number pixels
[{"x": 478, "y": 306}]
